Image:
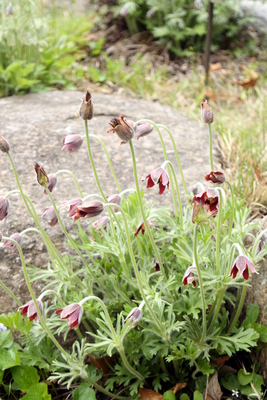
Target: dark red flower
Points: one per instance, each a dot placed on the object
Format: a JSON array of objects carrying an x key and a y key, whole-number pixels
[
  {"x": 4, "y": 206},
  {"x": 73, "y": 313},
  {"x": 205, "y": 206},
  {"x": 215, "y": 177},
  {"x": 141, "y": 227},
  {"x": 89, "y": 209},
  {"x": 156, "y": 264},
  {"x": 189, "y": 276},
  {"x": 242, "y": 264},
  {"x": 72, "y": 204},
  {"x": 51, "y": 215},
  {"x": 30, "y": 309},
  {"x": 158, "y": 176}
]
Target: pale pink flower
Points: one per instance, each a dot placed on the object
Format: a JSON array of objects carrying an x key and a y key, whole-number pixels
[{"x": 73, "y": 313}]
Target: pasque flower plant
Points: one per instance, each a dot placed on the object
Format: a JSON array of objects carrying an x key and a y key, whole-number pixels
[{"x": 179, "y": 271}]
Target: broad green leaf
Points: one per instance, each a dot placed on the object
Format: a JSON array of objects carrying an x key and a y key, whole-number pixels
[
  {"x": 6, "y": 339},
  {"x": 9, "y": 358},
  {"x": 25, "y": 377},
  {"x": 16, "y": 321},
  {"x": 244, "y": 378},
  {"x": 37, "y": 392},
  {"x": 251, "y": 315},
  {"x": 84, "y": 392},
  {"x": 198, "y": 395},
  {"x": 184, "y": 396},
  {"x": 230, "y": 382},
  {"x": 169, "y": 395}
]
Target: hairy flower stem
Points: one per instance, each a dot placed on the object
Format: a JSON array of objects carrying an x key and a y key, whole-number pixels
[
  {"x": 109, "y": 161},
  {"x": 117, "y": 342},
  {"x": 211, "y": 158},
  {"x": 200, "y": 286},
  {"x": 157, "y": 126},
  {"x": 137, "y": 274},
  {"x": 45, "y": 327},
  {"x": 148, "y": 230},
  {"x": 237, "y": 312},
  {"x": 232, "y": 208},
  {"x": 178, "y": 194},
  {"x": 66, "y": 171},
  {"x": 218, "y": 234}
]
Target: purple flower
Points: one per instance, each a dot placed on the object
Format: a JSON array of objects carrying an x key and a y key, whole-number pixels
[
  {"x": 72, "y": 143},
  {"x": 51, "y": 215},
  {"x": 73, "y": 313},
  {"x": 52, "y": 181},
  {"x": 2, "y": 327},
  {"x": 215, "y": 177},
  {"x": 143, "y": 129},
  {"x": 205, "y": 206},
  {"x": 11, "y": 245},
  {"x": 4, "y": 206},
  {"x": 89, "y": 209},
  {"x": 72, "y": 204},
  {"x": 135, "y": 315},
  {"x": 242, "y": 264},
  {"x": 101, "y": 223},
  {"x": 30, "y": 309},
  {"x": 158, "y": 176},
  {"x": 189, "y": 276}
]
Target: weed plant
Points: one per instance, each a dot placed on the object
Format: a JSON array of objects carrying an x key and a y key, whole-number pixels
[{"x": 153, "y": 294}]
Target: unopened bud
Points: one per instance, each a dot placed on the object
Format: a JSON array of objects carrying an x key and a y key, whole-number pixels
[
  {"x": 215, "y": 177},
  {"x": 4, "y": 146},
  {"x": 123, "y": 129},
  {"x": 86, "y": 110},
  {"x": 206, "y": 112},
  {"x": 42, "y": 178}
]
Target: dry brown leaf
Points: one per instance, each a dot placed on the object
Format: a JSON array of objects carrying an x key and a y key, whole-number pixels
[
  {"x": 250, "y": 81},
  {"x": 210, "y": 94},
  {"x": 220, "y": 360},
  {"x": 215, "y": 67},
  {"x": 148, "y": 394},
  {"x": 178, "y": 386},
  {"x": 214, "y": 390},
  {"x": 100, "y": 363}
]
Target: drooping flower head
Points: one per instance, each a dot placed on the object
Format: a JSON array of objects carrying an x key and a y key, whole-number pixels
[
  {"x": 143, "y": 129},
  {"x": 30, "y": 309},
  {"x": 156, "y": 264},
  {"x": 51, "y": 215},
  {"x": 190, "y": 276},
  {"x": 72, "y": 204},
  {"x": 72, "y": 143},
  {"x": 4, "y": 206},
  {"x": 158, "y": 176},
  {"x": 4, "y": 146},
  {"x": 73, "y": 313},
  {"x": 242, "y": 264},
  {"x": 89, "y": 209},
  {"x": 122, "y": 128},
  {"x": 135, "y": 315},
  {"x": 141, "y": 227},
  {"x": 41, "y": 175},
  {"x": 114, "y": 199},
  {"x": 205, "y": 206},
  {"x": 206, "y": 112},
  {"x": 10, "y": 245},
  {"x": 101, "y": 223},
  {"x": 86, "y": 111},
  {"x": 215, "y": 177},
  {"x": 52, "y": 182}
]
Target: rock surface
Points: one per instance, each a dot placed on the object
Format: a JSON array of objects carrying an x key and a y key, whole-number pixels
[{"x": 35, "y": 125}]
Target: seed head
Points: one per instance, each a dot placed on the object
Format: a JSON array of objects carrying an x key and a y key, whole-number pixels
[
  {"x": 42, "y": 177},
  {"x": 206, "y": 112},
  {"x": 86, "y": 110}
]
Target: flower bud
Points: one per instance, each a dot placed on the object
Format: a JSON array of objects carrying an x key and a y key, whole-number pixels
[
  {"x": 89, "y": 209},
  {"x": 72, "y": 143},
  {"x": 86, "y": 110},
  {"x": 52, "y": 183},
  {"x": 51, "y": 215},
  {"x": 4, "y": 206},
  {"x": 42, "y": 178},
  {"x": 206, "y": 112},
  {"x": 143, "y": 129},
  {"x": 4, "y": 146},
  {"x": 101, "y": 223},
  {"x": 215, "y": 177},
  {"x": 8, "y": 244},
  {"x": 123, "y": 129}
]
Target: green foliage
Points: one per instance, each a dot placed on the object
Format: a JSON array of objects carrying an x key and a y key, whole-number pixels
[
  {"x": 83, "y": 392},
  {"x": 182, "y": 23}
]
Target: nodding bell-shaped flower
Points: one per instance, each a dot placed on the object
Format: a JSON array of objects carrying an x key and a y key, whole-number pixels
[
  {"x": 141, "y": 227},
  {"x": 189, "y": 276},
  {"x": 114, "y": 198},
  {"x": 215, "y": 177},
  {"x": 4, "y": 206},
  {"x": 89, "y": 209},
  {"x": 135, "y": 315},
  {"x": 52, "y": 182},
  {"x": 122, "y": 128},
  {"x": 143, "y": 129},
  {"x": 10, "y": 245},
  {"x": 101, "y": 223},
  {"x": 30, "y": 309},
  {"x": 86, "y": 111},
  {"x": 73, "y": 313},
  {"x": 158, "y": 176},
  {"x": 4, "y": 146},
  {"x": 72, "y": 143},
  {"x": 206, "y": 112},
  {"x": 41, "y": 175},
  {"x": 242, "y": 264},
  {"x": 156, "y": 264},
  {"x": 72, "y": 204},
  {"x": 205, "y": 206},
  {"x": 51, "y": 215}
]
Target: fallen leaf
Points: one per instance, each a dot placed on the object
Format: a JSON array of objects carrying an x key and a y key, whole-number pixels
[
  {"x": 215, "y": 67},
  {"x": 220, "y": 360},
  {"x": 149, "y": 394},
  {"x": 214, "y": 390},
  {"x": 210, "y": 94},
  {"x": 178, "y": 386},
  {"x": 250, "y": 81},
  {"x": 100, "y": 363}
]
